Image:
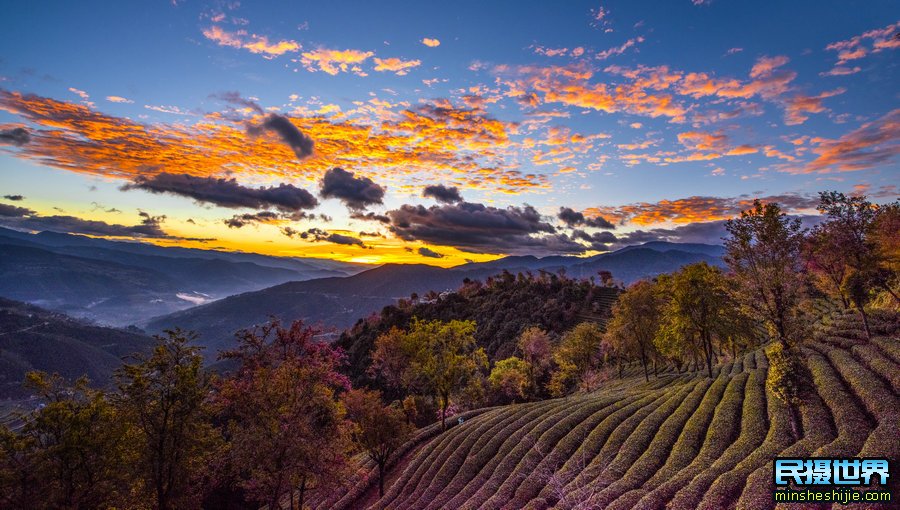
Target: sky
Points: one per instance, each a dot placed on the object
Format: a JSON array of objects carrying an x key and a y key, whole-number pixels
[{"x": 439, "y": 133}]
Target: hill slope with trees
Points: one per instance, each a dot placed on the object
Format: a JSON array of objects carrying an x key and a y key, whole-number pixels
[
  {"x": 502, "y": 308},
  {"x": 32, "y": 338}
]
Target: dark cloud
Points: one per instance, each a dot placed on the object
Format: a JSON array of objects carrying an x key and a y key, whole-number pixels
[
  {"x": 425, "y": 252},
  {"x": 370, "y": 217},
  {"x": 271, "y": 217},
  {"x": 15, "y": 136},
  {"x": 599, "y": 241},
  {"x": 301, "y": 144},
  {"x": 12, "y": 211},
  {"x": 14, "y": 198},
  {"x": 363, "y": 233},
  {"x": 342, "y": 239},
  {"x": 355, "y": 192},
  {"x": 235, "y": 98},
  {"x": 709, "y": 232},
  {"x": 478, "y": 228},
  {"x": 574, "y": 218},
  {"x": 25, "y": 219},
  {"x": 241, "y": 220},
  {"x": 317, "y": 234},
  {"x": 227, "y": 192},
  {"x": 443, "y": 194}
]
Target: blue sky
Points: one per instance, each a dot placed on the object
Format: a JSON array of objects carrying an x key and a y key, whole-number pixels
[{"x": 649, "y": 116}]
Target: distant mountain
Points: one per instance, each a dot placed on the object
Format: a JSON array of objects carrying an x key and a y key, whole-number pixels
[
  {"x": 630, "y": 265},
  {"x": 336, "y": 303},
  {"x": 332, "y": 303},
  {"x": 120, "y": 283},
  {"x": 32, "y": 338},
  {"x": 713, "y": 250},
  {"x": 627, "y": 265}
]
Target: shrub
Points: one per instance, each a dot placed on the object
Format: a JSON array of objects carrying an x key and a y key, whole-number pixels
[
  {"x": 663, "y": 436},
  {"x": 852, "y": 425},
  {"x": 877, "y": 362},
  {"x": 719, "y": 436},
  {"x": 752, "y": 434},
  {"x": 784, "y": 375}
]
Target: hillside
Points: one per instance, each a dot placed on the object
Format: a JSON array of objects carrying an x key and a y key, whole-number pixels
[
  {"x": 32, "y": 338},
  {"x": 502, "y": 307},
  {"x": 680, "y": 441},
  {"x": 120, "y": 283}
]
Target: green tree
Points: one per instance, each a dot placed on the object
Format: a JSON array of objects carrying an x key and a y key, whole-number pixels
[
  {"x": 764, "y": 254},
  {"x": 163, "y": 395},
  {"x": 20, "y": 484},
  {"x": 635, "y": 322},
  {"x": 578, "y": 351},
  {"x": 378, "y": 429},
  {"x": 699, "y": 310},
  {"x": 445, "y": 358},
  {"x": 71, "y": 453},
  {"x": 509, "y": 379}
]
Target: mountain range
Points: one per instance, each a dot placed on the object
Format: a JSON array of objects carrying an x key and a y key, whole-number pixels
[{"x": 120, "y": 283}]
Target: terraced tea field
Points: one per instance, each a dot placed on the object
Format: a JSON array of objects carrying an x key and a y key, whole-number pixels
[{"x": 681, "y": 441}]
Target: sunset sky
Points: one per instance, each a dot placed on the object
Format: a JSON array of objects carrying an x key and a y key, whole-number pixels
[{"x": 439, "y": 132}]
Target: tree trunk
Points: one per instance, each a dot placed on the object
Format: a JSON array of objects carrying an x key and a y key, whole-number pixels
[
  {"x": 865, "y": 319},
  {"x": 644, "y": 363},
  {"x": 301, "y": 494},
  {"x": 709, "y": 353},
  {"x": 445, "y": 401}
]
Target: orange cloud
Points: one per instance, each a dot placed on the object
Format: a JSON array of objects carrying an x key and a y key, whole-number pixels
[
  {"x": 874, "y": 143},
  {"x": 765, "y": 65},
  {"x": 695, "y": 209},
  {"x": 431, "y": 43},
  {"x": 856, "y": 47},
  {"x": 796, "y": 108},
  {"x": 571, "y": 85},
  {"x": 335, "y": 61},
  {"x": 434, "y": 141},
  {"x": 253, "y": 43},
  {"x": 396, "y": 65},
  {"x": 118, "y": 99}
]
